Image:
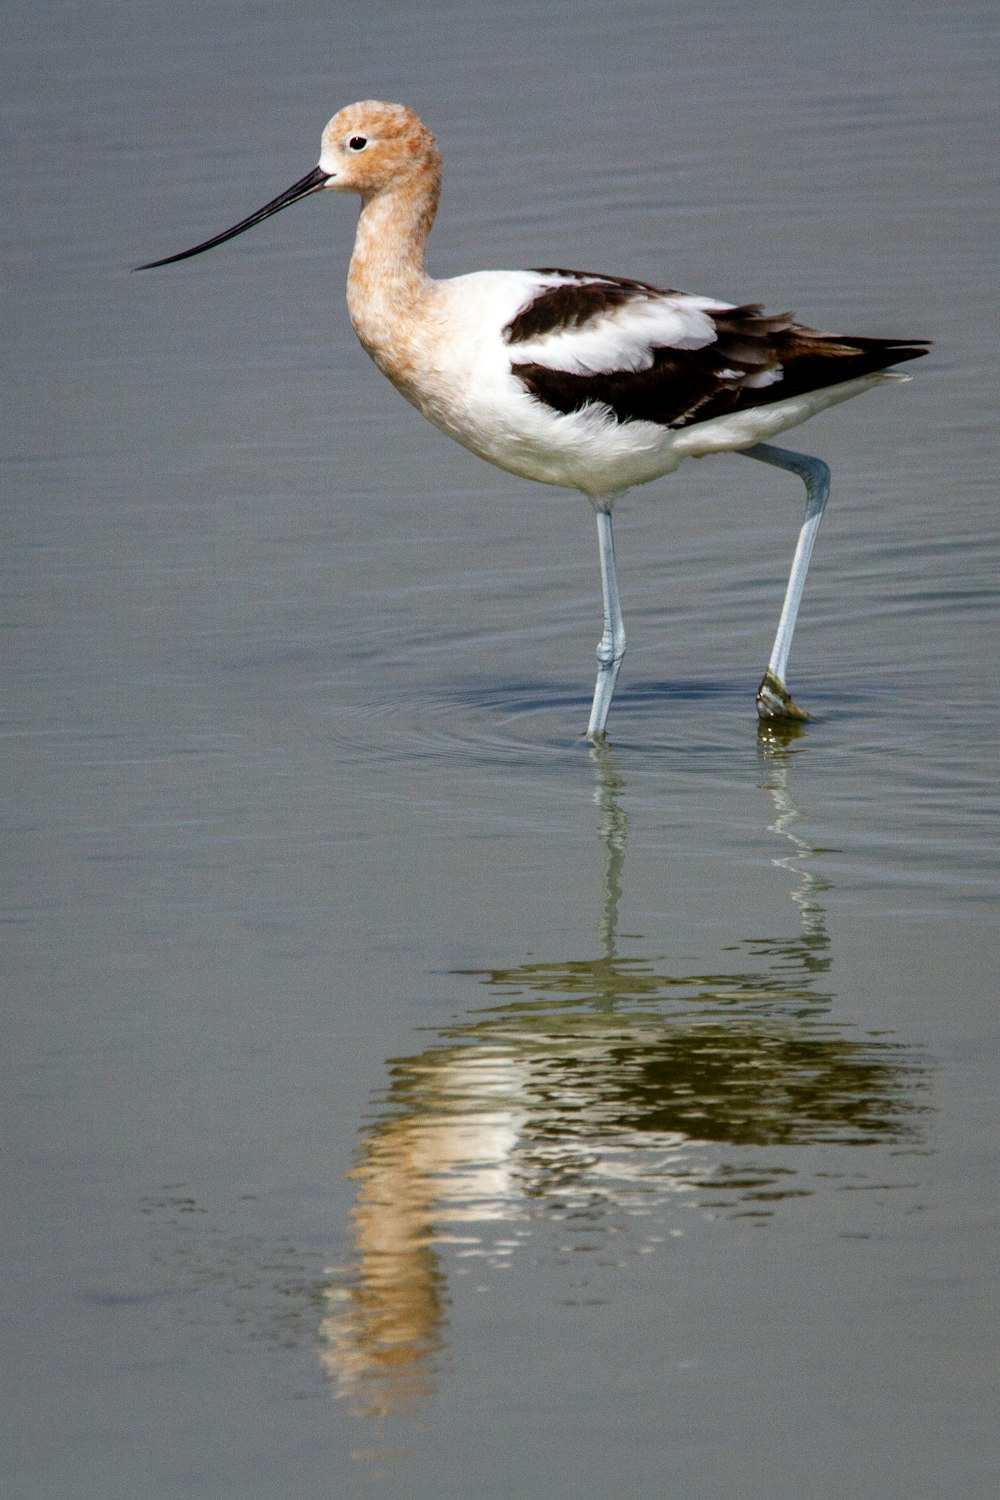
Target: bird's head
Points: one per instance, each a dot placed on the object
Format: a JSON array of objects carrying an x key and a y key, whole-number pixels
[{"x": 367, "y": 148}]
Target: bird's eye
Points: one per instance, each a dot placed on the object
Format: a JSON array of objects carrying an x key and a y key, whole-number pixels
[{"x": 357, "y": 143}]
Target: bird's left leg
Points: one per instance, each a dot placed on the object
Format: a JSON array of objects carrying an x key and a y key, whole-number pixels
[
  {"x": 612, "y": 644},
  {"x": 773, "y": 698}
]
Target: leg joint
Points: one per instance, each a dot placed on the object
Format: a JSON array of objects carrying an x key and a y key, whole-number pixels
[
  {"x": 812, "y": 471},
  {"x": 611, "y": 648}
]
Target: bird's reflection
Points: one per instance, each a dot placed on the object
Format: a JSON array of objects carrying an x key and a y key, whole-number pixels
[
  {"x": 604, "y": 1088},
  {"x": 775, "y": 740}
]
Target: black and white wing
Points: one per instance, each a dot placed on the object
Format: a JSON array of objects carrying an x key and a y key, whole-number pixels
[{"x": 653, "y": 355}]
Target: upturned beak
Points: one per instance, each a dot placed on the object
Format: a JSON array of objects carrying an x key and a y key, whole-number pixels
[{"x": 311, "y": 183}]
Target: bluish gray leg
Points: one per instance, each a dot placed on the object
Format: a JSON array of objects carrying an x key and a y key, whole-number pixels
[
  {"x": 612, "y": 645},
  {"x": 773, "y": 698}
]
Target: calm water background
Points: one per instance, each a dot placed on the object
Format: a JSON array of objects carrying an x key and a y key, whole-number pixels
[{"x": 404, "y": 1099}]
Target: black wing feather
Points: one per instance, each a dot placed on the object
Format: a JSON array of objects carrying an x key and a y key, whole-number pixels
[{"x": 682, "y": 386}]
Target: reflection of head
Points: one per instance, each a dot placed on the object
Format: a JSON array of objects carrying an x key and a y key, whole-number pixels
[{"x": 384, "y": 1325}]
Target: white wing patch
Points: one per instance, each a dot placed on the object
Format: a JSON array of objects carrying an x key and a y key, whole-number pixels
[
  {"x": 763, "y": 378},
  {"x": 624, "y": 338}
]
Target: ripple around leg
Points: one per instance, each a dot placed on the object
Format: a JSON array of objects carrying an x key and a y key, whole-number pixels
[
  {"x": 502, "y": 720},
  {"x": 524, "y": 720}
]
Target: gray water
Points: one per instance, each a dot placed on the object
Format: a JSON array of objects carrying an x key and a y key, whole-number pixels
[{"x": 403, "y": 1098}]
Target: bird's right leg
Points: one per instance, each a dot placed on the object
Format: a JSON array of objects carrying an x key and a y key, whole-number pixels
[
  {"x": 612, "y": 644},
  {"x": 774, "y": 701}
]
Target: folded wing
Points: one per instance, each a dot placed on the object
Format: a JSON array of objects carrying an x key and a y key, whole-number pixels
[{"x": 668, "y": 357}]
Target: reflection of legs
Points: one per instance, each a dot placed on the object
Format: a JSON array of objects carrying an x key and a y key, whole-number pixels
[
  {"x": 773, "y": 698},
  {"x": 612, "y": 646}
]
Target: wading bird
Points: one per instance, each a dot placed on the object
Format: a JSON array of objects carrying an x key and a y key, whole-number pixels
[{"x": 592, "y": 382}]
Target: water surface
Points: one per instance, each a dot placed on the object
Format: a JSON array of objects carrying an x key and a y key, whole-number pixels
[{"x": 403, "y": 1097}]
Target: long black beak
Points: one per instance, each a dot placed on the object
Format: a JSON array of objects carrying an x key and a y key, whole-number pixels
[{"x": 311, "y": 183}]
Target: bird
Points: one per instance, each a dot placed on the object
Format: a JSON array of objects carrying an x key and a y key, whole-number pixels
[{"x": 590, "y": 382}]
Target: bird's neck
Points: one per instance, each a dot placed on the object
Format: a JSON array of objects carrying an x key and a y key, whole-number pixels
[{"x": 387, "y": 285}]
